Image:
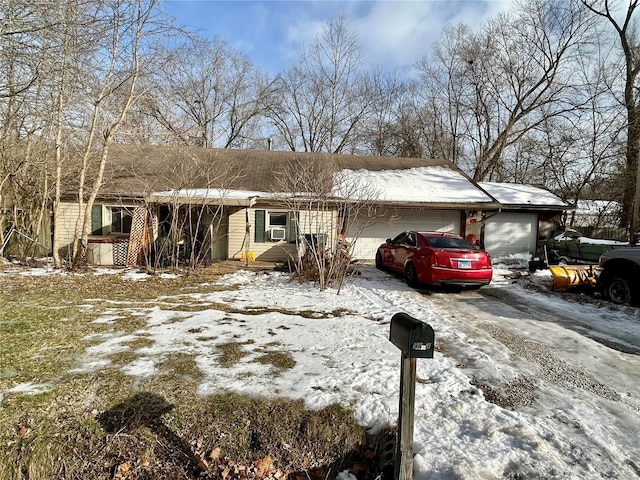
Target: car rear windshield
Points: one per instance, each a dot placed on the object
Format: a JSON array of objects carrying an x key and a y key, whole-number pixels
[{"x": 449, "y": 242}]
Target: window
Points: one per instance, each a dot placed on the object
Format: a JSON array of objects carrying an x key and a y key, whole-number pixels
[
  {"x": 450, "y": 242},
  {"x": 275, "y": 226},
  {"x": 121, "y": 219},
  {"x": 277, "y": 219},
  {"x": 411, "y": 239},
  {"x": 400, "y": 239}
]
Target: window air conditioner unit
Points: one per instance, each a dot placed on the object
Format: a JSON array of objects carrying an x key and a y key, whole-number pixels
[{"x": 277, "y": 233}]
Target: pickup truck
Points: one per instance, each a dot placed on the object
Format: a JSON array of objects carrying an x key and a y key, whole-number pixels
[
  {"x": 619, "y": 277},
  {"x": 571, "y": 247}
]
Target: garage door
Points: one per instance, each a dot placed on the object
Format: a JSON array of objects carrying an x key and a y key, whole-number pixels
[
  {"x": 511, "y": 234},
  {"x": 366, "y": 243}
]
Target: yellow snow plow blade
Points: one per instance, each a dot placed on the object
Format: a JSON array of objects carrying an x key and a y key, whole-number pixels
[{"x": 566, "y": 277}]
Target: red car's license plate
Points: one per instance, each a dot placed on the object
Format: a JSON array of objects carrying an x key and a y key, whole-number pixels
[{"x": 464, "y": 263}]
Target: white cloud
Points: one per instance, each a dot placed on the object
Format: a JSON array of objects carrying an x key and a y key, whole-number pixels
[
  {"x": 397, "y": 33},
  {"x": 392, "y": 33}
]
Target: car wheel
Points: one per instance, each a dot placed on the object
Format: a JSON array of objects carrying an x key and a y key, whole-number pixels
[
  {"x": 379, "y": 263},
  {"x": 411, "y": 275},
  {"x": 619, "y": 290}
]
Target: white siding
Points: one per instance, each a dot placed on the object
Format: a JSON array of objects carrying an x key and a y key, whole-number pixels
[
  {"x": 370, "y": 238},
  {"x": 100, "y": 248},
  {"x": 68, "y": 214},
  {"x": 510, "y": 234}
]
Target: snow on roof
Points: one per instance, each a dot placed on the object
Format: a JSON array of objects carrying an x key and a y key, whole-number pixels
[
  {"x": 432, "y": 184},
  {"x": 520, "y": 194},
  {"x": 207, "y": 195},
  {"x": 596, "y": 207},
  {"x": 202, "y": 193}
]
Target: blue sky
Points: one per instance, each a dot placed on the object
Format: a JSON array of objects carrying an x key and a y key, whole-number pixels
[{"x": 392, "y": 33}]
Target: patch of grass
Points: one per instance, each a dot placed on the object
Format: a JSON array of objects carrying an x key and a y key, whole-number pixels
[
  {"x": 246, "y": 428},
  {"x": 40, "y": 343},
  {"x": 206, "y": 339},
  {"x": 129, "y": 322},
  {"x": 200, "y": 307},
  {"x": 140, "y": 341},
  {"x": 254, "y": 310},
  {"x": 125, "y": 357},
  {"x": 122, "y": 358},
  {"x": 181, "y": 364},
  {"x": 339, "y": 312},
  {"x": 159, "y": 436},
  {"x": 280, "y": 360},
  {"x": 231, "y": 353}
]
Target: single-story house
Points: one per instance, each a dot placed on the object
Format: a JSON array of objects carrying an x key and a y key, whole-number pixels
[
  {"x": 228, "y": 204},
  {"x": 522, "y": 219},
  {"x": 597, "y": 219}
]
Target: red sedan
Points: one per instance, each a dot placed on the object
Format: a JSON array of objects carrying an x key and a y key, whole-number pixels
[{"x": 435, "y": 258}]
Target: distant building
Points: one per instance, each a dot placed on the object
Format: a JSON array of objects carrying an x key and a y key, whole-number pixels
[{"x": 597, "y": 219}]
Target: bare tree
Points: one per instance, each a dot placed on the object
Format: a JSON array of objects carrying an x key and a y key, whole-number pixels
[
  {"x": 207, "y": 94},
  {"x": 439, "y": 97},
  {"x": 327, "y": 204},
  {"x": 582, "y": 148},
  {"x": 64, "y": 76},
  {"x": 626, "y": 30},
  {"x": 27, "y": 62},
  {"x": 323, "y": 99},
  {"x": 505, "y": 81},
  {"x": 112, "y": 89},
  {"x": 389, "y": 129}
]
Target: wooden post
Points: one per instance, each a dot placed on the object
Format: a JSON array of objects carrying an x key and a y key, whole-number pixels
[
  {"x": 247, "y": 238},
  {"x": 404, "y": 445}
]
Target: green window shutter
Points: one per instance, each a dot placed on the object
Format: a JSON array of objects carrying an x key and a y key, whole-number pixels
[
  {"x": 96, "y": 219},
  {"x": 294, "y": 218},
  {"x": 259, "y": 227}
]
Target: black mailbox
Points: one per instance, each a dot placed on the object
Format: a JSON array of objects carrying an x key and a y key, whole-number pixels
[{"x": 414, "y": 338}]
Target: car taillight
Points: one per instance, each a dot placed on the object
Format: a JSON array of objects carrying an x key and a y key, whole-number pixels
[{"x": 439, "y": 260}]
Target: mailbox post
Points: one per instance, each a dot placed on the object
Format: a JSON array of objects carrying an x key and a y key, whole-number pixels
[{"x": 415, "y": 339}]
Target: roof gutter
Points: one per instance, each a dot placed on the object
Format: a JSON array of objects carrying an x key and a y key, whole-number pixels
[{"x": 195, "y": 200}]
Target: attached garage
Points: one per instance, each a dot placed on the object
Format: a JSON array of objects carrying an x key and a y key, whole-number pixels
[
  {"x": 511, "y": 234},
  {"x": 514, "y": 230},
  {"x": 367, "y": 241}
]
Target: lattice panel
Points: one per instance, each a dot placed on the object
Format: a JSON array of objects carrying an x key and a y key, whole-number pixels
[
  {"x": 120, "y": 251},
  {"x": 139, "y": 237}
]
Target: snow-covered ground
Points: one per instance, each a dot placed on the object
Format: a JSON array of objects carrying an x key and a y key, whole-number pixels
[{"x": 571, "y": 404}]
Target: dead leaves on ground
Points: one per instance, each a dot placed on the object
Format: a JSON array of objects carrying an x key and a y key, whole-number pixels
[{"x": 213, "y": 465}]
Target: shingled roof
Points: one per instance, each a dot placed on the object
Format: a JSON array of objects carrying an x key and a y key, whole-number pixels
[{"x": 138, "y": 170}]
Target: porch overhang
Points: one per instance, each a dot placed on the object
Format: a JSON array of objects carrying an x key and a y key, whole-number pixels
[{"x": 217, "y": 197}]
